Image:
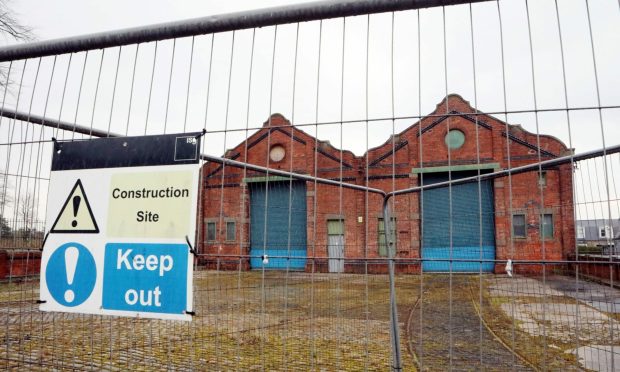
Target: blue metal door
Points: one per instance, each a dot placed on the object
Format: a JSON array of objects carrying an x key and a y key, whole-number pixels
[
  {"x": 278, "y": 225},
  {"x": 468, "y": 234}
]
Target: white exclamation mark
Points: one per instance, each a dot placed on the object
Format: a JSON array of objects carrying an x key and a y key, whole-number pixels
[{"x": 71, "y": 259}]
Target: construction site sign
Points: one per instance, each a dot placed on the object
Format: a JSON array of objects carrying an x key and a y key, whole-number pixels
[{"x": 122, "y": 217}]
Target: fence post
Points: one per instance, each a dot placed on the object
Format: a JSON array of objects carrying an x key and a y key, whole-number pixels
[{"x": 394, "y": 331}]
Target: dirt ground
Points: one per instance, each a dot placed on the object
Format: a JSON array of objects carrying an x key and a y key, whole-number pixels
[{"x": 324, "y": 322}]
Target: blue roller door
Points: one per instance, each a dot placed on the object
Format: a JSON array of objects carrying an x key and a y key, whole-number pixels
[
  {"x": 278, "y": 225},
  {"x": 465, "y": 239}
]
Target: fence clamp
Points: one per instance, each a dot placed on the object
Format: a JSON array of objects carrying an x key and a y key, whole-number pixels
[
  {"x": 192, "y": 313},
  {"x": 204, "y": 131},
  {"x": 56, "y": 149},
  {"x": 191, "y": 249},
  {"x": 41, "y": 301}
]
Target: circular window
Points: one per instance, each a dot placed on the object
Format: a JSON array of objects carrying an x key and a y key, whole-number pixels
[
  {"x": 277, "y": 153},
  {"x": 455, "y": 139}
]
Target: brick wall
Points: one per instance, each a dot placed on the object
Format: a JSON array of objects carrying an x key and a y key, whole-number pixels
[
  {"x": 597, "y": 267},
  {"x": 388, "y": 167},
  {"x": 16, "y": 264}
]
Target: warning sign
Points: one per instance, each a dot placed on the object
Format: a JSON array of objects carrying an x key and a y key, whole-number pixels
[
  {"x": 150, "y": 204},
  {"x": 76, "y": 215},
  {"x": 68, "y": 285},
  {"x": 122, "y": 217}
]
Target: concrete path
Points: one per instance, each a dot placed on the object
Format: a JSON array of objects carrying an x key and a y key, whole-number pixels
[
  {"x": 599, "y": 296},
  {"x": 562, "y": 310}
]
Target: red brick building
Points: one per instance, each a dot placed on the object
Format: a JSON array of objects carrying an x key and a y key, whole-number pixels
[{"x": 247, "y": 215}]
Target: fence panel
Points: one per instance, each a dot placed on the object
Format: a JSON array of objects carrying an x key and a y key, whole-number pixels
[{"x": 406, "y": 185}]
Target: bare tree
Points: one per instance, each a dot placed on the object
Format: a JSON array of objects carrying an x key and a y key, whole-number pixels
[
  {"x": 11, "y": 29},
  {"x": 5, "y": 198},
  {"x": 26, "y": 206},
  {"x": 26, "y": 217},
  {"x": 10, "y": 26}
]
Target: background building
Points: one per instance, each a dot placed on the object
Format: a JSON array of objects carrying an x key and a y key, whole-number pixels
[
  {"x": 525, "y": 216},
  {"x": 598, "y": 236}
]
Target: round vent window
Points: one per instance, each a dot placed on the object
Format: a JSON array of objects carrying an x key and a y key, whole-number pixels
[
  {"x": 277, "y": 153},
  {"x": 455, "y": 139}
]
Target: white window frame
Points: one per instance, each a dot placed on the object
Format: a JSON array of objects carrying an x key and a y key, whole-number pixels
[
  {"x": 605, "y": 232},
  {"x": 581, "y": 232}
]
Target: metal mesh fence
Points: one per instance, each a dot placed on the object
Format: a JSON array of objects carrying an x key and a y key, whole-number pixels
[{"x": 381, "y": 186}]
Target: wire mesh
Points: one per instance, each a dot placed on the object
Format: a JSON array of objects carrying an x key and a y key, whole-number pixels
[{"x": 311, "y": 129}]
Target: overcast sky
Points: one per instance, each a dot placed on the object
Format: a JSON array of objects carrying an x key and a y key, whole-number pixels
[{"x": 137, "y": 90}]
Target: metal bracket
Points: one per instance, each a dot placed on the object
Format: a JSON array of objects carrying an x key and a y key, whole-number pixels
[
  {"x": 191, "y": 248},
  {"x": 55, "y": 144},
  {"x": 204, "y": 131},
  {"x": 44, "y": 240}
]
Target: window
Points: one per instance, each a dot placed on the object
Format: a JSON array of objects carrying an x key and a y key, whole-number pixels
[
  {"x": 335, "y": 227},
  {"x": 454, "y": 139},
  {"x": 230, "y": 230},
  {"x": 605, "y": 232},
  {"x": 210, "y": 231},
  {"x": 518, "y": 225},
  {"x": 546, "y": 231},
  {"x": 542, "y": 178},
  {"x": 277, "y": 153},
  {"x": 381, "y": 236},
  {"x": 581, "y": 232}
]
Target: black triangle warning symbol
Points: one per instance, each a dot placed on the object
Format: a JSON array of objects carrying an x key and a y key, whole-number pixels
[{"x": 76, "y": 216}]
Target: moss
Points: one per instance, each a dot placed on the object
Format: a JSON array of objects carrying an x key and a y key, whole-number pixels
[{"x": 244, "y": 321}]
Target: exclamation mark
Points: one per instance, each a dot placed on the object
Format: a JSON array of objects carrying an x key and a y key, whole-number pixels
[
  {"x": 76, "y": 206},
  {"x": 71, "y": 259}
]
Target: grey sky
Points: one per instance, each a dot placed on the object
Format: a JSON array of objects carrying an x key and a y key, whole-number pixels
[{"x": 392, "y": 72}]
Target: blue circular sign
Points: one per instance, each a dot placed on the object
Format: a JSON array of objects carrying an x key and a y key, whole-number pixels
[{"x": 71, "y": 274}]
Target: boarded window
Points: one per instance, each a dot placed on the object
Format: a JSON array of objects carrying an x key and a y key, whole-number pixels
[
  {"x": 383, "y": 252},
  {"x": 518, "y": 225}
]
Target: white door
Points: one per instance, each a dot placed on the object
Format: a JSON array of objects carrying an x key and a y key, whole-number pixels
[{"x": 335, "y": 245}]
